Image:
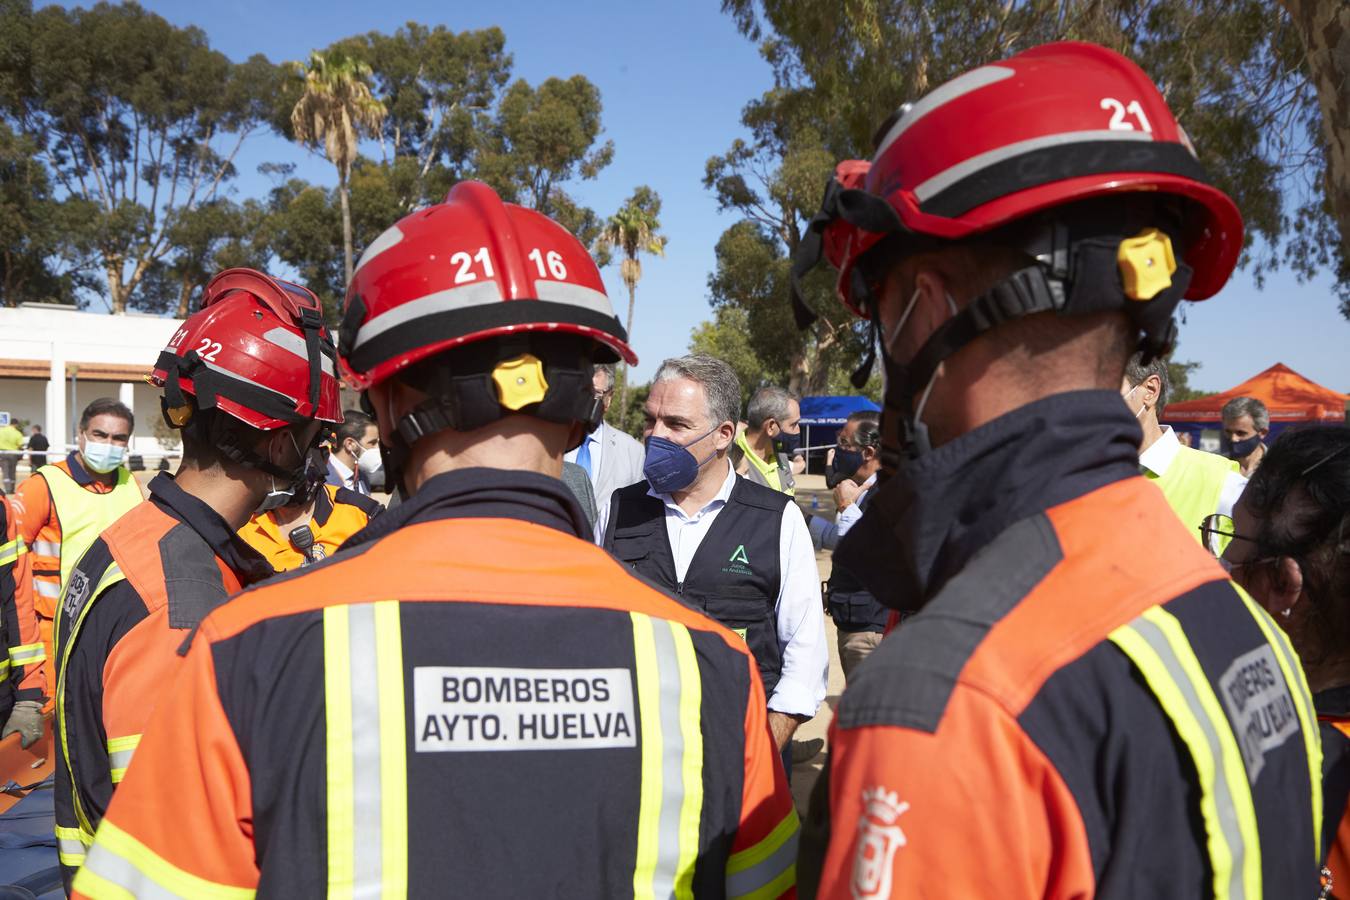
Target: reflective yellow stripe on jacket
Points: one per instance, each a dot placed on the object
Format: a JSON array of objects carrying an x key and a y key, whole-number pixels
[
  {"x": 367, "y": 816},
  {"x": 121, "y": 866},
  {"x": 767, "y": 869},
  {"x": 670, "y": 697},
  {"x": 1157, "y": 645},
  {"x": 11, "y": 551},
  {"x": 120, "y": 750},
  {"x": 27, "y": 654}
]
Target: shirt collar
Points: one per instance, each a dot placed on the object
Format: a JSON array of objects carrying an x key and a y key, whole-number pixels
[
  {"x": 77, "y": 471},
  {"x": 341, "y": 469},
  {"x": 717, "y": 502},
  {"x": 1160, "y": 455},
  {"x": 248, "y": 564}
]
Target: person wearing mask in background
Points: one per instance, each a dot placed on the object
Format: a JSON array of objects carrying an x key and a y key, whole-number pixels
[
  {"x": 473, "y": 700},
  {"x": 723, "y": 544},
  {"x": 11, "y": 448},
  {"x": 858, "y": 618},
  {"x": 37, "y": 448},
  {"x": 313, "y": 525},
  {"x": 610, "y": 458},
  {"x": 23, "y": 682},
  {"x": 356, "y": 457},
  {"x": 1065, "y": 715},
  {"x": 1246, "y": 422},
  {"x": 1196, "y": 484},
  {"x": 64, "y": 505},
  {"x": 771, "y": 443},
  {"x": 1290, "y": 548},
  {"x": 248, "y": 418}
]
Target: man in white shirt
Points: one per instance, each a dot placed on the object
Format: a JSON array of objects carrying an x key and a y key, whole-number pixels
[
  {"x": 356, "y": 453},
  {"x": 610, "y": 458},
  {"x": 1196, "y": 484},
  {"x": 736, "y": 550}
]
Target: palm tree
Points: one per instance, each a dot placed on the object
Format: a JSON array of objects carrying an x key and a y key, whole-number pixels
[
  {"x": 335, "y": 109},
  {"x": 633, "y": 230}
]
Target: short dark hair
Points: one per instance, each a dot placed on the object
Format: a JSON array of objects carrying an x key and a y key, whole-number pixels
[
  {"x": 868, "y": 433},
  {"x": 1136, "y": 373},
  {"x": 1301, "y": 494},
  {"x": 354, "y": 425},
  {"x": 107, "y": 406},
  {"x": 37, "y": 427}
]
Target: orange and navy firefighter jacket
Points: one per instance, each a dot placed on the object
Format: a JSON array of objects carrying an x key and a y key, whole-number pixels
[
  {"x": 469, "y": 699},
  {"x": 41, "y": 529},
  {"x": 22, "y": 676},
  {"x": 1333, "y": 713},
  {"x": 338, "y": 514},
  {"x": 1084, "y": 705},
  {"x": 131, "y": 602}
]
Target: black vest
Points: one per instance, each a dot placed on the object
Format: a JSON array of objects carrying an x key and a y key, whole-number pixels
[
  {"x": 734, "y": 575},
  {"x": 851, "y": 606}
]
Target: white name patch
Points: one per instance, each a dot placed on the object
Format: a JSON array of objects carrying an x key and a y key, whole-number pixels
[
  {"x": 1259, "y": 704},
  {"x": 469, "y": 709}
]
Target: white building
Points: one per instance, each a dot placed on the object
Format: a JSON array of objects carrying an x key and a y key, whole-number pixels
[{"x": 55, "y": 360}]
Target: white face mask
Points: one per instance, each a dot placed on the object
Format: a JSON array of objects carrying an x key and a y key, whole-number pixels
[
  {"x": 102, "y": 457},
  {"x": 370, "y": 462}
]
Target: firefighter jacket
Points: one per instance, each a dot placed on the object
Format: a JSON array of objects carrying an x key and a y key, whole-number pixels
[
  {"x": 467, "y": 700},
  {"x": 128, "y": 607},
  {"x": 62, "y": 509},
  {"x": 21, "y": 650},
  {"x": 1084, "y": 706},
  {"x": 338, "y": 514},
  {"x": 1333, "y": 714}
]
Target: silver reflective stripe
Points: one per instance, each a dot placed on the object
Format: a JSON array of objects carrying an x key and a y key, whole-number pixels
[
  {"x": 70, "y": 850},
  {"x": 47, "y": 588},
  {"x": 573, "y": 295},
  {"x": 294, "y": 344},
  {"x": 479, "y": 293},
  {"x": 110, "y": 866},
  {"x": 367, "y": 811},
  {"x": 672, "y": 758},
  {"x": 391, "y": 236},
  {"x": 46, "y": 548},
  {"x": 948, "y": 177},
  {"x": 762, "y": 873},
  {"x": 22, "y": 656},
  {"x": 1223, "y": 798},
  {"x": 120, "y": 759},
  {"x": 941, "y": 96}
]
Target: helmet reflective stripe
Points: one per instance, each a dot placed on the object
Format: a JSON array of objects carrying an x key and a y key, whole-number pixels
[
  {"x": 573, "y": 294},
  {"x": 957, "y": 87},
  {"x": 294, "y": 343},
  {"x": 478, "y": 294},
  {"x": 388, "y": 238},
  {"x": 949, "y": 176}
]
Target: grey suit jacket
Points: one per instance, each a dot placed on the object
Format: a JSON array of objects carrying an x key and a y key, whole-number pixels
[{"x": 621, "y": 459}]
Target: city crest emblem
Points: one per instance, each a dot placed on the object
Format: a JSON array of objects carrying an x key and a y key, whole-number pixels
[{"x": 878, "y": 838}]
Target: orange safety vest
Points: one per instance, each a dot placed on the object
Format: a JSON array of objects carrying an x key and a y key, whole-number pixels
[
  {"x": 338, "y": 514},
  {"x": 179, "y": 579},
  {"x": 21, "y": 670}
]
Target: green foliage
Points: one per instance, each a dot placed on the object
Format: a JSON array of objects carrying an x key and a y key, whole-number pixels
[
  {"x": 634, "y": 230},
  {"x": 1178, "y": 381},
  {"x": 1234, "y": 72},
  {"x": 628, "y": 417},
  {"x": 727, "y": 337},
  {"x": 137, "y": 119}
]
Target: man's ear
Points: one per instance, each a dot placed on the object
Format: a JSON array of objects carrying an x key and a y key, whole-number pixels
[
  {"x": 1288, "y": 582},
  {"x": 1152, "y": 390},
  {"x": 724, "y": 436}
]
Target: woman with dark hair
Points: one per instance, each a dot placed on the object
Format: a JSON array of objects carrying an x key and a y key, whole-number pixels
[{"x": 1290, "y": 549}]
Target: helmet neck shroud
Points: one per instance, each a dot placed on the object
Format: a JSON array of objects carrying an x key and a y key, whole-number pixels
[{"x": 1073, "y": 268}]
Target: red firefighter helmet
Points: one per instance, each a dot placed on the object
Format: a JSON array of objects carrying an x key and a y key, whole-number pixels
[
  {"x": 1048, "y": 127},
  {"x": 470, "y": 269},
  {"x": 257, "y": 350}
]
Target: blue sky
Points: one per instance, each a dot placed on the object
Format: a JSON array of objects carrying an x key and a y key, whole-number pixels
[{"x": 673, "y": 78}]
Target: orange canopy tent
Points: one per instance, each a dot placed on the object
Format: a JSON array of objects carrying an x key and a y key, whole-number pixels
[{"x": 1288, "y": 395}]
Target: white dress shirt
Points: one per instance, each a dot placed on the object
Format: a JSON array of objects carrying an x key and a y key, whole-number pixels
[
  {"x": 597, "y": 449},
  {"x": 1158, "y": 457},
  {"x": 347, "y": 476},
  {"x": 853, "y": 512},
  {"x": 801, "y": 620}
]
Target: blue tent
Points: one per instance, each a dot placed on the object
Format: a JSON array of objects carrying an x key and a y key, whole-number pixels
[{"x": 822, "y": 417}]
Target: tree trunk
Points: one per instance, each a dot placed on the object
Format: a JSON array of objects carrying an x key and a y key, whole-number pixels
[
  {"x": 346, "y": 228},
  {"x": 117, "y": 291},
  {"x": 184, "y": 295},
  {"x": 623, "y": 391},
  {"x": 1325, "y": 28}
]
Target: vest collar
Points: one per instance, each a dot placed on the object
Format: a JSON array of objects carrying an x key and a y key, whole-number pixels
[
  {"x": 78, "y": 472},
  {"x": 482, "y": 494},
  {"x": 923, "y": 525},
  {"x": 323, "y": 506},
  {"x": 248, "y": 565}
]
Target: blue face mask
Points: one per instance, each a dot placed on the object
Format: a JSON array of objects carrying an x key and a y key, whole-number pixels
[
  {"x": 102, "y": 458},
  {"x": 1245, "y": 448},
  {"x": 846, "y": 462},
  {"x": 669, "y": 466},
  {"x": 788, "y": 443}
]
